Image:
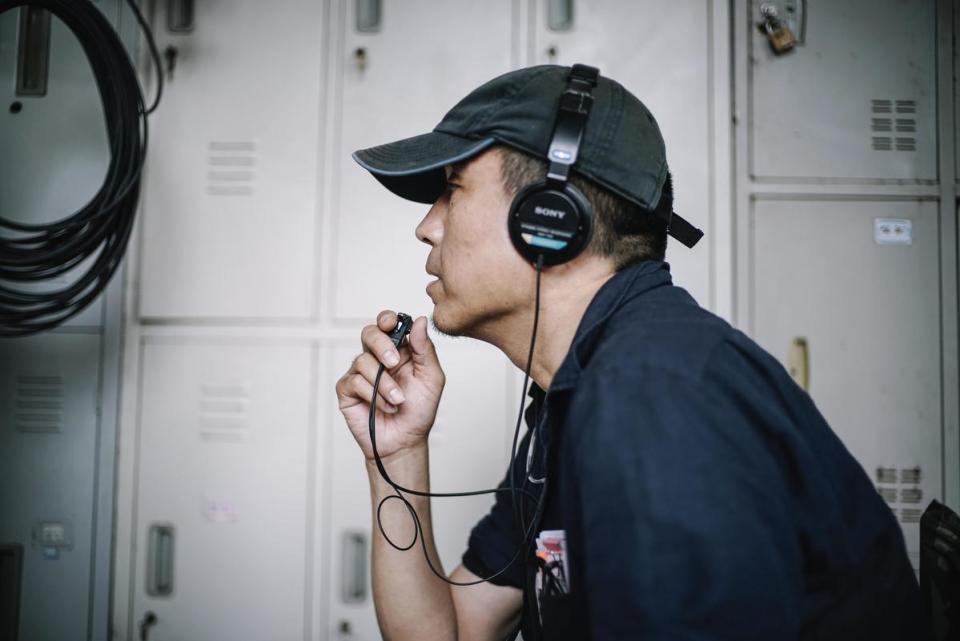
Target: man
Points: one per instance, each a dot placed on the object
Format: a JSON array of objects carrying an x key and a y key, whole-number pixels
[{"x": 693, "y": 491}]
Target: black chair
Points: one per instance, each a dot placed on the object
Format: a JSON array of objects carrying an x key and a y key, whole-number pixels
[{"x": 940, "y": 570}]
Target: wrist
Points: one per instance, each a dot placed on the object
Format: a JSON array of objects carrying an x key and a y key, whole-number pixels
[
  {"x": 401, "y": 463},
  {"x": 400, "y": 457}
]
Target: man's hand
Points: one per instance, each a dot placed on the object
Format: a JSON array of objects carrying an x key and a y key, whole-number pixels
[{"x": 409, "y": 392}]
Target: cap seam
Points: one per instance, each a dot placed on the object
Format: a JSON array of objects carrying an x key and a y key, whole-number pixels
[
  {"x": 488, "y": 114},
  {"x": 613, "y": 121}
]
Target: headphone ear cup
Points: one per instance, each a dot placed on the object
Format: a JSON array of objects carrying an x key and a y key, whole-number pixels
[{"x": 554, "y": 223}]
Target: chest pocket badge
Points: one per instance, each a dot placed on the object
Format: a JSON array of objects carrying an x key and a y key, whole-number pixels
[{"x": 553, "y": 574}]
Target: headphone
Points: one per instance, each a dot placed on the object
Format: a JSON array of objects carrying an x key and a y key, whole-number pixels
[{"x": 551, "y": 220}]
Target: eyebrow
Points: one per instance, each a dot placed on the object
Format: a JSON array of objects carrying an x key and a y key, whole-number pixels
[{"x": 455, "y": 170}]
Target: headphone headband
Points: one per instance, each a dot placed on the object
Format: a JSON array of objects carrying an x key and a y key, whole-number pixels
[{"x": 575, "y": 103}]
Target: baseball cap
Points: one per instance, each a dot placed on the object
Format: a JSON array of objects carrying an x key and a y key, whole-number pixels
[{"x": 621, "y": 150}]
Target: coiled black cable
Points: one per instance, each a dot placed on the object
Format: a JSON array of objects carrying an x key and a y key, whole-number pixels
[{"x": 33, "y": 253}]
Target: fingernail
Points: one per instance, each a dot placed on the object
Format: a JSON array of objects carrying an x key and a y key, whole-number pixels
[
  {"x": 391, "y": 358},
  {"x": 396, "y": 396}
]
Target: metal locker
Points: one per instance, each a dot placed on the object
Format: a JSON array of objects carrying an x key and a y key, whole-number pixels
[
  {"x": 848, "y": 291},
  {"x": 956, "y": 94},
  {"x": 223, "y": 539},
  {"x": 854, "y": 101},
  {"x": 53, "y": 147},
  {"x": 230, "y": 197},
  {"x": 397, "y": 78},
  {"x": 469, "y": 447},
  {"x": 659, "y": 51},
  {"x": 48, "y": 439}
]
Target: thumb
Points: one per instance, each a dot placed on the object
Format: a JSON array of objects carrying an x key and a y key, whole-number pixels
[{"x": 423, "y": 353}]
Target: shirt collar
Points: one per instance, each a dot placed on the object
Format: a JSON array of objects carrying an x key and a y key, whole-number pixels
[{"x": 623, "y": 286}]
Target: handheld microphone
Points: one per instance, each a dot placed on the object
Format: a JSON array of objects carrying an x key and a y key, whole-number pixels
[{"x": 404, "y": 324}]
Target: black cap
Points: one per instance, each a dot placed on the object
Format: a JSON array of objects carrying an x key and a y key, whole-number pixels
[{"x": 621, "y": 150}]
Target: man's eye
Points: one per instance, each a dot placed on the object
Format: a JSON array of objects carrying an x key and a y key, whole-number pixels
[{"x": 451, "y": 186}]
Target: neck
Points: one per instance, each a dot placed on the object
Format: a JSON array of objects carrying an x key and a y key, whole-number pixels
[{"x": 565, "y": 294}]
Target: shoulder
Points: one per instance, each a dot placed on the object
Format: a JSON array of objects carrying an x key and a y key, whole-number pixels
[
  {"x": 670, "y": 379},
  {"x": 664, "y": 333}
]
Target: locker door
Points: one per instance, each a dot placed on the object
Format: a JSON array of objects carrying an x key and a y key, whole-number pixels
[
  {"x": 229, "y": 205},
  {"x": 468, "y": 446},
  {"x": 956, "y": 93},
  {"x": 223, "y": 544},
  {"x": 48, "y": 441},
  {"x": 855, "y": 101},
  {"x": 870, "y": 315},
  {"x": 395, "y": 82},
  {"x": 659, "y": 51},
  {"x": 53, "y": 148}
]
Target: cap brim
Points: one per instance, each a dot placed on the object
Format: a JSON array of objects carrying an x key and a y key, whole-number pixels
[{"x": 412, "y": 168}]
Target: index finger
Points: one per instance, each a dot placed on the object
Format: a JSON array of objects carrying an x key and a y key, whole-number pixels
[{"x": 377, "y": 342}]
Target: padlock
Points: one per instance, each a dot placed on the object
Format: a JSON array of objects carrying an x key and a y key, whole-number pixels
[{"x": 778, "y": 33}]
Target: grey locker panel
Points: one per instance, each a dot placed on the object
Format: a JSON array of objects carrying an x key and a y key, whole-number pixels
[
  {"x": 48, "y": 438},
  {"x": 53, "y": 152},
  {"x": 392, "y": 92},
  {"x": 660, "y": 51},
  {"x": 870, "y": 314},
  {"x": 224, "y": 468},
  {"x": 230, "y": 197},
  {"x": 855, "y": 101}
]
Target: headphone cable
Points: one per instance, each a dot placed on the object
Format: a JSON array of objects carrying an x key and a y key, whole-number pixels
[{"x": 399, "y": 490}]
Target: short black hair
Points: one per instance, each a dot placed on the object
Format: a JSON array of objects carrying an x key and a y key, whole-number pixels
[{"x": 622, "y": 230}]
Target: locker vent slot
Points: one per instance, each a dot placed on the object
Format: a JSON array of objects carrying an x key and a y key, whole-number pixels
[
  {"x": 886, "y": 475},
  {"x": 231, "y": 168},
  {"x": 911, "y": 495},
  {"x": 223, "y": 415},
  {"x": 893, "y": 117},
  {"x": 910, "y": 515},
  {"x": 889, "y": 494},
  {"x": 910, "y": 475},
  {"x": 39, "y": 404}
]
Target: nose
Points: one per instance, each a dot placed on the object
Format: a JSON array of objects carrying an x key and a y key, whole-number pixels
[{"x": 430, "y": 229}]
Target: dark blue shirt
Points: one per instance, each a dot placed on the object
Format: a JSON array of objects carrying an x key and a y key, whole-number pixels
[{"x": 702, "y": 494}]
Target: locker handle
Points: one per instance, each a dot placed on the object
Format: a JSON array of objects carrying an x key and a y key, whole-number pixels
[
  {"x": 160, "y": 551},
  {"x": 33, "y": 54},
  {"x": 180, "y": 16},
  {"x": 560, "y": 15},
  {"x": 353, "y": 568},
  {"x": 368, "y": 15},
  {"x": 799, "y": 362}
]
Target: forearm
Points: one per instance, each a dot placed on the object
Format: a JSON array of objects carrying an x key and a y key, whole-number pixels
[{"x": 411, "y": 602}]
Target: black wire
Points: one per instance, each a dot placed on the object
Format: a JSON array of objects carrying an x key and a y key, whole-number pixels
[
  {"x": 148, "y": 34},
  {"x": 100, "y": 230},
  {"x": 517, "y": 509},
  {"x": 527, "y": 531}
]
